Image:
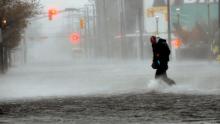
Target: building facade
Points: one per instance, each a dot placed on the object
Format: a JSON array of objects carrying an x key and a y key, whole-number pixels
[{"x": 119, "y": 23}]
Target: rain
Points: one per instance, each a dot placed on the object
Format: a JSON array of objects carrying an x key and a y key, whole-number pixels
[{"x": 90, "y": 61}]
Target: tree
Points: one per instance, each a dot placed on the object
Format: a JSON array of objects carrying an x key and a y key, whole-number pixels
[{"x": 15, "y": 14}]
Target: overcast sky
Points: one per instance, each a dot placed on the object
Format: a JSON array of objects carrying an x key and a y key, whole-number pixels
[{"x": 61, "y": 4}]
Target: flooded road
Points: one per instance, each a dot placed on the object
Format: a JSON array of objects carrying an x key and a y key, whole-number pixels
[
  {"x": 114, "y": 92},
  {"x": 122, "y": 109},
  {"x": 89, "y": 61}
]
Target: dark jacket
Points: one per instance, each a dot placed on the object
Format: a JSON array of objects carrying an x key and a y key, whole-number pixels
[{"x": 161, "y": 52}]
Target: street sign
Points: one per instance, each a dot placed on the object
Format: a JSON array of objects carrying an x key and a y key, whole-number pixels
[
  {"x": 0, "y": 35},
  {"x": 150, "y": 12}
]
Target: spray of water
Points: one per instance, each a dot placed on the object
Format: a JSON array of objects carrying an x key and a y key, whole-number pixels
[
  {"x": 53, "y": 70},
  {"x": 190, "y": 79},
  {"x": 67, "y": 78}
]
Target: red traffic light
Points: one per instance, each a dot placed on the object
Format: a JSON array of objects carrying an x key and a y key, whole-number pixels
[
  {"x": 75, "y": 38},
  {"x": 51, "y": 13}
]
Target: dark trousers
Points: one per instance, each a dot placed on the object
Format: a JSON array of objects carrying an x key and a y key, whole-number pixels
[{"x": 161, "y": 74}]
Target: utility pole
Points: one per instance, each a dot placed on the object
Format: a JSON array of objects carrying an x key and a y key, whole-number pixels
[
  {"x": 219, "y": 16},
  {"x": 1, "y": 52},
  {"x": 178, "y": 16},
  {"x": 157, "y": 25},
  {"x": 141, "y": 30},
  {"x": 122, "y": 35},
  {"x": 95, "y": 29},
  {"x": 219, "y": 21},
  {"x": 91, "y": 21},
  {"x": 121, "y": 27},
  {"x": 209, "y": 31},
  {"x": 94, "y": 20},
  {"x": 89, "y": 40},
  {"x": 169, "y": 22},
  {"x": 105, "y": 28},
  {"x": 86, "y": 32},
  {"x": 94, "y": 40},
  {"x": 173, "y": 51}
]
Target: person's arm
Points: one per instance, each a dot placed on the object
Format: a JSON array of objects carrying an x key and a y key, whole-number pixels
[
  {"x": 155, "y": 53},
  {"x": 156, "y": 62}
]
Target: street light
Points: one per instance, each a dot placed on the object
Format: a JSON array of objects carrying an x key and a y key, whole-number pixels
[
  {"x": 178, "y": 15},
  {"x": 157, "y": 24},
  {"x": 177, "y": 9},
  {"x": 3, "y": 23}
]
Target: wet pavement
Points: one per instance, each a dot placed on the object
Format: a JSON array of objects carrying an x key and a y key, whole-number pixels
[
  {"x": 125, "y": 108},
  {"x": 109, "y": 93}
]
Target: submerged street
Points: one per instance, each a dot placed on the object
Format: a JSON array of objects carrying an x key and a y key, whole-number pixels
[
  {"x": 125, "y": 109},
  {"x": 112, "y": 92},
  {"x": 95, "y": 61}
]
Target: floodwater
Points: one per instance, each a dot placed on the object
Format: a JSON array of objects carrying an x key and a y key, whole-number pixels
[
  {"x": 112, "y": 92},
  {"x": 126, "y": 108},
  {"x": 55, "y": 87}
]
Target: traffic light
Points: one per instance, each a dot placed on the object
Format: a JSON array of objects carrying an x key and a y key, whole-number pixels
[
  {"x": 82, "y": 23},
  {"x": 75, "y": 38},
  {"x": 51, "y": 13}
]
